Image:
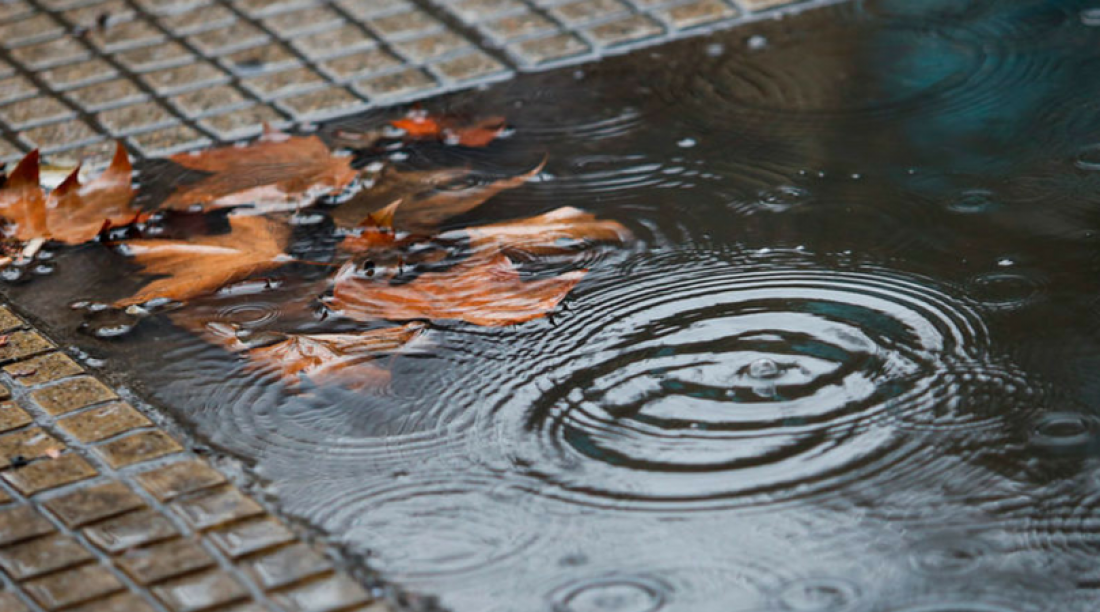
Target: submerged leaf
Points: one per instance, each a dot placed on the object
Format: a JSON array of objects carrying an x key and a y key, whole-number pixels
[
  {"x": 202, "y": 265},
  {"x": 487, "y": 292},
  {"x": 277, "y": 172},
  {"x": 349, "y": 359},
  {"x": 427, "y": 198}
]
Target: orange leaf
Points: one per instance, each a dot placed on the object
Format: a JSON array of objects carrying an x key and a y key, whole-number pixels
[
  {"x": 427, "y": 198},
  {"x": 419, "y": 125},
  {"x": 72, "y": 213},
  {"x": 203, "y": 265},
  {"x": 486, "y": 292},
  {"x": 346, "y": 359},
  {"x": 277, "y": 172},
  {"x": 563, "y": 230}
]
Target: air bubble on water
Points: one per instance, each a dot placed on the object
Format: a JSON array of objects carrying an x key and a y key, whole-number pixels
[
  {"x": 686, "y": 143},
  {"x": 399, "y": 156},
  {"x": 764, "y": 369},
  {"x": 857, "y": 176},
  {"x": 757, "y": 42}
]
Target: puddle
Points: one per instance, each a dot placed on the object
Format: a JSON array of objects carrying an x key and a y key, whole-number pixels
[{"x": 850, "y": 364}]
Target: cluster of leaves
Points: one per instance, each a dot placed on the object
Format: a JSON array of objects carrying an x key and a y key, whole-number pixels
[{"x": 392, "y": 264}]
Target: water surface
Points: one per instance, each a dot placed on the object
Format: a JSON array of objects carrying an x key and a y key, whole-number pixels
[{"x": 850, "y": 364}]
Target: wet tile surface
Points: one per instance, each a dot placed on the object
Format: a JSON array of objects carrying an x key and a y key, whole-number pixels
[
  {"x": 101, "y": 510},
  {"x": 178, "y": 75}
]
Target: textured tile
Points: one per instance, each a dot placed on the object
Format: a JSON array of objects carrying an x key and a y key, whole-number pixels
[
  {"x": 18, "y": 447},
  {"x": 125, "y": 35},
  {"x": 193, "y": 22},
  {"x": 43, "y": 369},
  {"x": 210, "y": 509},
  {"x": 237, "y": 36},
  {"x": 48, "y": 54},
  {"x": 698, "y": 13},
  {"x": 112, "y": 11},
  {"x": 135, "y": 118},
  {"x": 93, "y": 504},
  {"x": 22, "y": 523},
  {"x": 10, "y": 602},
  {"x": 72, "y": 394},
  {"x": 320, "y": 104},
  {"x": 621, "y": 31},
  {"x": 23, "y": 344},
  {"x": 286, "y": 566},
  {"x": 284, "y": 83},
  {"x": 248, "y": 537},
  {"x": 433, "y": 46},
  {"x": 160, "y": 562},
  {"x": 123, "y": 602},
  {"x": 189, "y": 76},
  {"x": 264, "y": 58},
  {"x": 12, "y": 417},
  {"x": 168, "y": 141},
  {"x": 103, "y": 422},
  {"x": 335, "y": 593},
  {"x": 472, "y": 66},
  {"x": 130, "y": 531},
  {"x": 8, "y": 320},
  {"x": 34, "y": 111},
  {"x": 395, "y": 84},
  {"x": 474, "y": 11},
  {"x": 73, "y": 586},
  {"x": 297, "y": 22},
  {"x": 171, "y": 481},
  {"x": 340, "y": 41},
  {"x": 139, "y": 447},
  {"x": 544, "y": 50},
  {"x": 364, "y": 9},
  {"x": 61, "y": 135},
  {"x": 155, "y": 56},
  {"x": 15, "y": 88},
  {"x": 360, "y": 65},
  {"x": 42, "y": 556},
  {"x": 14, "y": 9},
  {"x": 34, "y": 28},
  {"x": 201, "y": 592},
  {"x": 512, "y": 27},
  {"x": 588, "y": 11},
  {"x": 209, "y": 100},
  {"x": 405, "y": 25},
  {"x": 50, "y": 473},
  {"x": 80, "y": 73}
]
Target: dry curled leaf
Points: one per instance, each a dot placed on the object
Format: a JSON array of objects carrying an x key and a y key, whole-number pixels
[
  {"x": 72, "y": 213},
  {"x": 277, "y": 172},
  {"x": 482, "y": 291},
  {"x": 427, "y": 198},
  {"x": 202, "y": 265},
  {"x": 349, "y": 359}
]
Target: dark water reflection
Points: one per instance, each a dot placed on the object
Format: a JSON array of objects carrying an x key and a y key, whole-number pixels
[{"x": 851, "y": 367}]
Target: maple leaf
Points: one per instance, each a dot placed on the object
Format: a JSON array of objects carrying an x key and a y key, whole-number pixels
[
  {"x": 277, "y": 172},
  {"x": 202, "y": 265},
  {"x": 482, "y": 291},
  {"x": 428, "y": 198},
  {"x": 563, "y": 230},
  {"x": 349, "y": 359},
  {"x": 72, "y": 213}
]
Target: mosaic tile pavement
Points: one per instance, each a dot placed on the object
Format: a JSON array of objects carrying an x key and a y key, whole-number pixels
[
  {"x": 168, "y": 75},
  {"x": 101, "y": 509}
]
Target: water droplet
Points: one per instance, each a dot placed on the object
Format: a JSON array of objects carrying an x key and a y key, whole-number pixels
[
  {"x": 946, "y": 557},
  {"x": 613, "y": 595},
  {"x": 757, "y": 42},
  {"x": 764, "y": 369},
  {"x": 686, "y": 143},
  {"x": 1062, "y": 431},
  {"x": 1006, "y": 262},
  {"x": 1003, "y": 290},
  {"x": 819, "y": 595}
]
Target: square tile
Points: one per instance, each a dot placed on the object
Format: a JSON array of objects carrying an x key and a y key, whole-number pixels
[
  {"x": 72, "y": 394},
  {"x": 49, "y": 138},
  {"x": 32, "y": 29},
  {"x": 553, "y": 48},
  {"x": 283, "y": 83},
  {"x": 364, "y": 9},
  {"x": 259, "y": 8},
  {"x": 8, "y": 320},
  {"x": 135, "y": 118},
  {"x": 81, "y": 73},
  {"x": 200, "y": 592},
  {"x": 622, "y": 31},
  {"x": 125, "y": 35},
  {"x": 19, "y": 447},
  {"x": 110, "y": 12},
  {"x": 106, "y": 94},
  {"x": 10, "y": 602},
  {"x": 213, "y": 508},
  {"x": 14, "y": 9},
  {"x": 512, "y": 27},
  {"x": 248, "y": 537},
  {"x": 264, "y": 58},
  {"x": 240, "y": 35},
  {"x": 15, "y": 88},
  {"x": 193, "y": 22},
  {"x": 433, "y": 46},
  {"x": 396, "y": 84},
  {"x": 155, "y": 56},
  {"x": 103, "y": 422},
  {"x": 321, "y": 104},
  {"x": 340, "y": 41},
  {"x": 696, "y": 14},
  {"x": 172, "y": 7},
  {"x": 286, "y": 566},
  {"x": 34, "y": 111},
  {"x": 588, "y": 11},
  {"x": 474, "y": 11},
  {"x": 182, "y": 78},
  {"x": 48, "y": 54},
  {"x": 335, "y": 593},
  {"x": 13, "y": 417},
  {"x": 360, "y": 65},
  {"x": 138, "y": 447},
  {"x": 405, "y": 25},
  {"x": 74, "y": 586},
  {"x": 175, "y": 479},
  {"x": 209, "y": 100},
  {"x": 42, "y": 556},
  {"x": 22, "y": 523},
  {"x": 471, "y": 66},
  {"x": 130, "y": 531},
  {"x": 160, "y": 562},
  {"x": 123, "y": 602},
  {"x": 94, "y": 503},
  {"x": 167, "y": 141},
  {"x": 312, "y": 19},
  {"x": 50, "y": 473},
  {"x": 761, "y": 5},
  {"x": 22, "y": 344}
]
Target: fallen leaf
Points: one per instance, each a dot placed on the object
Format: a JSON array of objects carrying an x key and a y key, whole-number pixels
[
  {"x": 427, "y": 198},
  {"x": 485, "y": 292},
  {"x": 277, "y": 172},
  {"x": 419, "y": 125},
  {"x": 72, "y": 213},
  {"x": 563, "y": 230},
  {"x": 347, "y": 359},
  {"x": 203, "y": 265}
]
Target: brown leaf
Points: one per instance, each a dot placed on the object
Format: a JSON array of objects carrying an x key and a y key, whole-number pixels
[
  {"x": 559, "y": 231},
  {"x": 72, "y": 213},
  {"x": 350, "y": 359},
  {"x": 203, "y": 265},
  {"x": 484, "y": 291},
  {"x": 427, "y": 198},
  {"x": 450, "y": 129},
  {"x": 277, "y": 172}
]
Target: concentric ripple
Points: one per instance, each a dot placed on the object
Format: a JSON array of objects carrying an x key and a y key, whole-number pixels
[{"x": 724, "y": 384}]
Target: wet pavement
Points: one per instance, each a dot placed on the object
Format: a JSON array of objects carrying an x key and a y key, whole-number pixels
[
  {"x": 103, "y": 510},
  {"x": 172, "y": 75}
]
